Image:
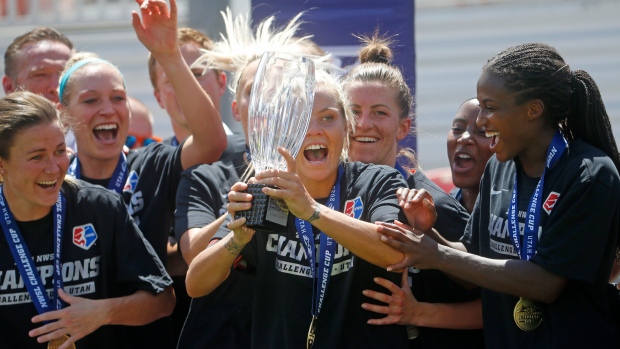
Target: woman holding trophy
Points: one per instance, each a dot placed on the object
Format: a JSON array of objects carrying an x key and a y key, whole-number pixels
[{"x": 304, "y": 298}]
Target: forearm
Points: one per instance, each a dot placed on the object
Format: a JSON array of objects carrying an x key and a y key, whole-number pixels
[
  {"x": 139, "y": 308},
  {"x": 359, "y": 237},
  {"x": 212, "y": 266},
  {"x": 175, "y": 265},
  {"x": 456, "y": 316},
  {"x": 196, "y": 240},
  {"x": 434, "y": 234},
  {"x": 208, "y": 139},
  {"x": 516, "y": 277}
]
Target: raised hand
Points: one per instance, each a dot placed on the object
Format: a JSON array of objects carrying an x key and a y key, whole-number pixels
[
  {"x": 239, "y": 201},
  {"x": 290, "y": 189},
  {"x": 157, "y": 30},
  {"x": 418, "y": 207}
]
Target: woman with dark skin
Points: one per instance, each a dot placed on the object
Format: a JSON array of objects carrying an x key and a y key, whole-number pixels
[
  {"x": 552, "y": 140},
  {"x": 468, "y": 153}
]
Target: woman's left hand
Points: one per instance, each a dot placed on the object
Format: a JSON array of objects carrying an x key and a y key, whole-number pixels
[
  {"x": 80, "y": 318},
  {"x": 400, "y": 305},
  {"x": 289, "y": 187}
]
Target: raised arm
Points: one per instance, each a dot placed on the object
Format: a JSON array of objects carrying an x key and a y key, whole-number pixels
[
  {"x": 516, "y": 277},
  {"x": 157, "y": 30},
  {"x": 196, "y": 240},
  {"x": 212, "y": 266},
  {"x": 359, "y": 237}
]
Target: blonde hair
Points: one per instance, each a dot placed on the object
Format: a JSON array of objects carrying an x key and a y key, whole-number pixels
[{"x": 241, "y": 45}]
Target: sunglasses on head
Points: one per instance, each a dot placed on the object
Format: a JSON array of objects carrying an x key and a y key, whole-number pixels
[{"x": 136, "y": 141}]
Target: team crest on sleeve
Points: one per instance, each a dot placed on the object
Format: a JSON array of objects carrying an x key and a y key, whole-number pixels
[
  {"x": 550, "y": 202},
  {"x": 84, "y": 236},
  {"x": 132, "y": 180},
  {"x": 353, "y": 208}
]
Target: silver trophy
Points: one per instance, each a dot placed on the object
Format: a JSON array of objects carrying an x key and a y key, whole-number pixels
[{"x": 278, "y": 116}]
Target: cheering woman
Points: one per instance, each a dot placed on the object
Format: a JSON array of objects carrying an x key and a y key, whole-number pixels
[{"x": 71, "y": 258}]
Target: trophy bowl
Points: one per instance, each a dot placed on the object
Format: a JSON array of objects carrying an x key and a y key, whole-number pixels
[{"x": 278, "y": 116}]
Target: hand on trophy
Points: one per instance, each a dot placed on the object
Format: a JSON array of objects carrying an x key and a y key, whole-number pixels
[
  {"x": 278, "y": 117},
  {"x": 289, "y": 187},
  {"x": 239, "y": 201}
]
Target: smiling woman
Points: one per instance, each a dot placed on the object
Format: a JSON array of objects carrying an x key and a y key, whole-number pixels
[
  {"x": 381, "y": 101},
  {"x": 328, "y": 198},
  {"x": 54, "y": 227}
]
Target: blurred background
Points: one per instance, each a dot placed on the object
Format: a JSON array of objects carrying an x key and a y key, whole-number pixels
[{"x": 453, "y": 39}]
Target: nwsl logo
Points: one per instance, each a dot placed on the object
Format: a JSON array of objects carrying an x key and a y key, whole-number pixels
[
  {"x": 550, "y": 202},
  {"x": 132, "y": 180},
  {"x": 353, "y": 208},
  {"x": 84, "y": 236}
]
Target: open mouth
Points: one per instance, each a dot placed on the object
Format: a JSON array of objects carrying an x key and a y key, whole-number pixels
[
  {"x": 494, "y": 135},
  {"x": 365, "y": 139},
  {"x": 316, "y": 153},
  {"x": 106, "y": 132},
  {"x": 462, "y": 162},
  {"x": 47, "y": 184}
]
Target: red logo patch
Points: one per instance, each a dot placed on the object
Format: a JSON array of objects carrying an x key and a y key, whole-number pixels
[
  {"x": 550, "y": 202},
  {"x": 353, "y": 208}
]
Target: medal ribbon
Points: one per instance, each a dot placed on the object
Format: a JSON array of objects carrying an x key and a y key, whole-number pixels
[
  {"x": 119, "y": 177},
  {"x": 23, "y": 259},
  {"x": 327, "y": 249},
  {"x": 530, "y": 231}
]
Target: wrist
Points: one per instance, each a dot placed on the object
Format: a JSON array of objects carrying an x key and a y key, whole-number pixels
[{"x": 316, "y": 214}]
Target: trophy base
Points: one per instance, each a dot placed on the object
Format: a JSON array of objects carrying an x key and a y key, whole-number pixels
[{"x": 267, "y": 213}]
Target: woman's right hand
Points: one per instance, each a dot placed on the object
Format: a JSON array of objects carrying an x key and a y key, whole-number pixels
[
  {"x": 239, "y": 201},
  {"x": 157, "y": 30}
]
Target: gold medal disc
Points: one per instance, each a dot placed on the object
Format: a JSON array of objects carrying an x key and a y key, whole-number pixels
[
  {"x": 311, "y": 333},
  {"x": 56, "y": 343},
  {"x": 527, "y": 314}
]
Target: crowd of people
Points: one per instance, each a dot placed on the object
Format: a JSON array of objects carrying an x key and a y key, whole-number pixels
[{"x": 115, "y": 238}]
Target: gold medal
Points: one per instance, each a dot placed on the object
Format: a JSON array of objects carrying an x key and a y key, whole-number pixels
[
  {"x": 311, "y": 333},
  {"x": 527, "y": 314},
  {"x": 56, "y": 343}
]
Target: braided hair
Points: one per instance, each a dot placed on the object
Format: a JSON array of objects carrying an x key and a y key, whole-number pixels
[{"x": 571, "y": 98}]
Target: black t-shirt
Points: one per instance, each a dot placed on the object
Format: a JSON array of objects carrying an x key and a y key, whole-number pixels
[
  {"x": 283, "y": 294},
  {"x": 118, "y": 262},
  {"x": 577, "y": 236},
  {"x": 150, "y": 191},
  {"x": 221, "y": 319},
  {"x": 434, "y": 286}
]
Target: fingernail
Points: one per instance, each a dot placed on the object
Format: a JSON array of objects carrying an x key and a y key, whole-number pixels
[
  {"x": 365, "y": 293},
  {"x": 364, "y": 305},
  {"x": 389, "y": 269}
]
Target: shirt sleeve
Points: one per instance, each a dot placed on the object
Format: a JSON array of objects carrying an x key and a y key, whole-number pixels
[
  {"x": 578, "y": 233},
  {"x": 381, "y": 194},
  {"x": 137, "y": 264}
]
